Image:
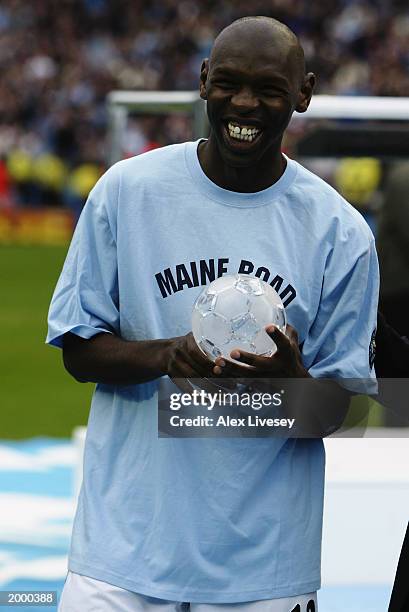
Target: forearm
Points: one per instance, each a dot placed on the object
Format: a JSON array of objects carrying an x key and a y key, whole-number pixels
[{"x": 108, "y": 359}]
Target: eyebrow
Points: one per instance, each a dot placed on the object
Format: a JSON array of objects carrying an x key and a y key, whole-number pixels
[
  {"x": 234, "y": 74},
  {"x": 280, "y": 82}
]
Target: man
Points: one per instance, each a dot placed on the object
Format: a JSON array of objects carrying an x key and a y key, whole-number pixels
[
  {"x": 392, "y": 361},
  {"x": 208, "y": 524},
  {"x": 400, "y": 594},
  {"x": 393, "y": 248},
  {"x": 392, "y": 356}
]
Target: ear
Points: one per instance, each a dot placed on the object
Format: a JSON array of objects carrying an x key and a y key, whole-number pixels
[
  {"x": 204, "y": 71},
  {"x": 304, "y": 96}
]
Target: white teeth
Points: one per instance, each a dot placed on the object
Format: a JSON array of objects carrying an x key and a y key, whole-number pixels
[{"x": 242, "y": 133}]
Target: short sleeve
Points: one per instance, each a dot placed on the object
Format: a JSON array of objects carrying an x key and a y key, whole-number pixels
[
  {"x": 85, "y": 300},
  {"x": 340, "y": 343}
]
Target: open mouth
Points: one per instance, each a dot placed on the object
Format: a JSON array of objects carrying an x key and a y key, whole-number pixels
[{"x": 241, "y": 133}]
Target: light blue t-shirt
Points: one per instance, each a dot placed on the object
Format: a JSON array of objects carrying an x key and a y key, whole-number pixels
[{"x": 217, "y": 520}]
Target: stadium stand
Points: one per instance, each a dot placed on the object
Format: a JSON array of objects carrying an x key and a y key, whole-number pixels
[{"x": 60, "y": 59}]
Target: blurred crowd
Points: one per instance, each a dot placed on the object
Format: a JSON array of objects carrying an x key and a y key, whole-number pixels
[{"x": 60, "y": 58}]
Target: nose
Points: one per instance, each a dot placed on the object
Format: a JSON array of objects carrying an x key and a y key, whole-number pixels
[{"x": 244, "y": 100}]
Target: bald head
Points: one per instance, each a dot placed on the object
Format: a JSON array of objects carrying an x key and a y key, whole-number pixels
[
  {"x": 253, "y": 82},
  {"x": 265, "y": 32}
]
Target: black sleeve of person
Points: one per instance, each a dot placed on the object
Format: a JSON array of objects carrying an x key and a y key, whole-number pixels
[
  {"x": 400, "y": 594},
  {"x": 392, "y": 351},
  {"x": 392, "y": 361}
]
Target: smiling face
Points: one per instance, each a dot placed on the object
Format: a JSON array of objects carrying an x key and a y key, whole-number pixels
[{"x": 253, "y": 82}]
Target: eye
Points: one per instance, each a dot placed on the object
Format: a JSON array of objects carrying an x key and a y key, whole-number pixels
[
  {"x": 270, "y": 91},
  {"x": 273, "y": 92},
  {"x": 224, "y": 84}
]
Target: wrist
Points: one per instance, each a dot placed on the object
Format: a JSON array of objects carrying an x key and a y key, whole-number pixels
[{"x": 163, "y": 355}]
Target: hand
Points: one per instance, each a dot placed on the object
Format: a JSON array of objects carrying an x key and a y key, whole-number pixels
[
  {"x": 184, "y": 359},
  {"x": 285, "y": 363}
]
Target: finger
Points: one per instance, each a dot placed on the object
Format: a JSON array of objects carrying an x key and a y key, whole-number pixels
[
  {"x": 183, "y": 369},
  {"x": 235, "y": 370},
  {"x": 281, "y": 340},
  {"x": 196, "y": 379},
  {"x": 202, "y": 362},
  {"x": 256, "y": 361},
  {"x": 218, "y": 367},
  {"x": 292, "y": 333},
  {"x": 185, "y": 377},
  {"x": 219, "y": 364},
  {"x": 190, "y": 355},
  {"x": 218, "y": 370},
  {"x": 269, "y": 368},
  {"x": 224, "y": 379},
  {"x": 195, "y": 351}
]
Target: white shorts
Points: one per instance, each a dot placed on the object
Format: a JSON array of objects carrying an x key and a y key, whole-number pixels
[{"x": 83, "y": 594}]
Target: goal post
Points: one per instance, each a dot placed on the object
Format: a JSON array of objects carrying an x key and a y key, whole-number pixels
[
  {"x": 148, "y": 103},
  {"x": 358, "y": 107},
  {"x": 122, "y": 103}
]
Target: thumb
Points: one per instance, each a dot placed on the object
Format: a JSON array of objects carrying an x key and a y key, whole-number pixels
[{"x": 277, "y": 336}]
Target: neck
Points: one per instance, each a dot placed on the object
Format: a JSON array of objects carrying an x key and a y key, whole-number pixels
[{"x": 247, "y": 179}]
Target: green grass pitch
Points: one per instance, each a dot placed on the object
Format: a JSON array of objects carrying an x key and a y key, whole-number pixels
[{"x": 38, "y": 397}]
